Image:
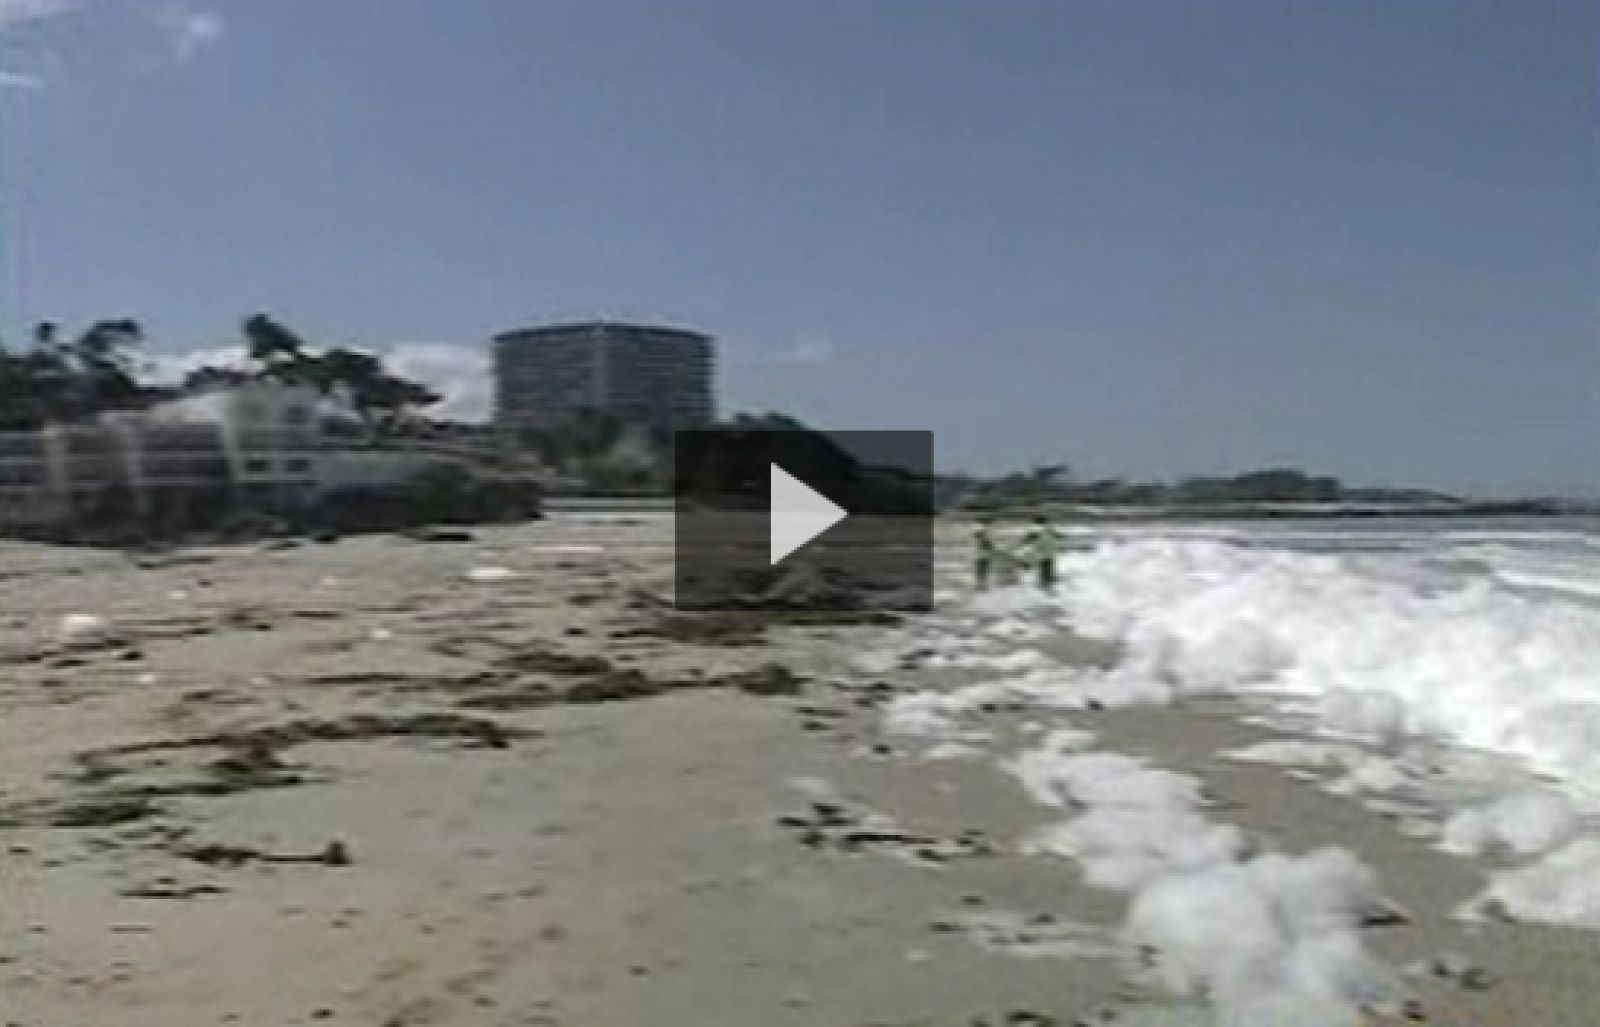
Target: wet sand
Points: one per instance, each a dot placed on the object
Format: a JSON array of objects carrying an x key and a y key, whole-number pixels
[{"x": 497, "y": 782}]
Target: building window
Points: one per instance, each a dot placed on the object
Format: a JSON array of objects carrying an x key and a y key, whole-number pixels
[
  {"x": 257, "y": 466},
  {"x": 299, "y": 465}
]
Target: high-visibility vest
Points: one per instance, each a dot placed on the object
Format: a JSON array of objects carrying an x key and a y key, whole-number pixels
[{"x": 1042, "y": 543}]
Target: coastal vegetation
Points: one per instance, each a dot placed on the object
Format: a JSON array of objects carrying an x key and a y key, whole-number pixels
[
  {"x": 59, "y": 379},
  {"x": 1277, "y": 491}
]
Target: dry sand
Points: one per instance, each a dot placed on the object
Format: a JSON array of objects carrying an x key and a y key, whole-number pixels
[{"x": 348, "y": 784}]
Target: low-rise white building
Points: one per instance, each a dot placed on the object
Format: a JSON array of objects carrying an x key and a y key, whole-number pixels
[
  {"x": 271, "y": 436},
  {"x": 26, "y": 493},
  {"x": 263, "y": 444}
]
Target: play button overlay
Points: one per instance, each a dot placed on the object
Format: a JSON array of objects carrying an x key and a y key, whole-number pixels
[
  {"x": 799, "y": 513},
  {"x": 796, "y": 519}
]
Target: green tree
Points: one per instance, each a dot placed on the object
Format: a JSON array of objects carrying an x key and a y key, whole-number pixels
[
  {"x": 280, "y": 354},
  {"x": 379, "y": 397},
  {"x": 67, "y": 381}
]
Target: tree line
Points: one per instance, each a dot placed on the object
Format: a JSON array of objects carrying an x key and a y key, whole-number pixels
[
  {"x": 59, "y": 379},
  {"x": 1045, "y": 484}
]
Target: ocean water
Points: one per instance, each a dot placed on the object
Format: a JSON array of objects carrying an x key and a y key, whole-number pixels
[
  {"x": 1560, "y": 555},
  {"x": 1450, "y": 665},
  {"x": 1483, "y": 633}
]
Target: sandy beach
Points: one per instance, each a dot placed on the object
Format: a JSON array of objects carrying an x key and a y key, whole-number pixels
[
  {"x": 496, "y": 780},
  {"x": 803, "y": 513}
]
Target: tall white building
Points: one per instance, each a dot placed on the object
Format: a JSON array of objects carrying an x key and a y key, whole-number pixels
[{"x": 640, "y": 375}]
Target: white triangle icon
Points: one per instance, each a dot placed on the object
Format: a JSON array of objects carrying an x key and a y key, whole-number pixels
[{"x": 799, "y": 513}]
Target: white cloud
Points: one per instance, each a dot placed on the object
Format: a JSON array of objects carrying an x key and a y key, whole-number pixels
[
  {"x": 809, "y": 350},
  {"x": 182, "y": 29},
  {"x": 21, "y": 12},
  {"x": 20, "y": 80},
  {"x": 16, "y": 15},
  {"x": 460, "y": 374},
  {"x": 190, "y": 31},
  {"x": 171, "y": 368}
]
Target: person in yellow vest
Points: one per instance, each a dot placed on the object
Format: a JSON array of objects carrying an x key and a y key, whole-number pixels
[
  {"x": 1041, "y": 546},
  {"x": 985, "y": 553}
]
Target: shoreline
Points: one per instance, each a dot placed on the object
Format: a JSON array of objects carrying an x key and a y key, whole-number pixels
[
  {"x": 499, "y": 782},
  {"x": 608, "y": 507}
]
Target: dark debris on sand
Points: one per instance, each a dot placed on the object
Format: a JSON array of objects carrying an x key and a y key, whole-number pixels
[
  {"x": 251, "y": 759},
  {"x": 832, "y": 826},
  {"x": 98, "y": 811},
  {"x": 743, "y": 628},
  {"x": 335, "y": 854},
  {"x": 535, "y": 676}
]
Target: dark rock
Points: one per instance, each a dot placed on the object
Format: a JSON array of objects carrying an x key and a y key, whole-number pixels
[
  {"x": 547, "y": 661},
  {"x": 615, "y": 686},
  {"x": 105, "y": 812},
  {"x": 168, "y": 891},
  {"x": 1385, "y": 916},
  {"x": 770, "y": 679},
  {"x": 829, "y": 811},
  {"x": 438, "y": 535},
  {"x": 223, "y": 855}
]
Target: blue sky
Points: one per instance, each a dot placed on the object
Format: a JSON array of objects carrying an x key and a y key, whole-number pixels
[{"x": 1145, "y": 238}]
